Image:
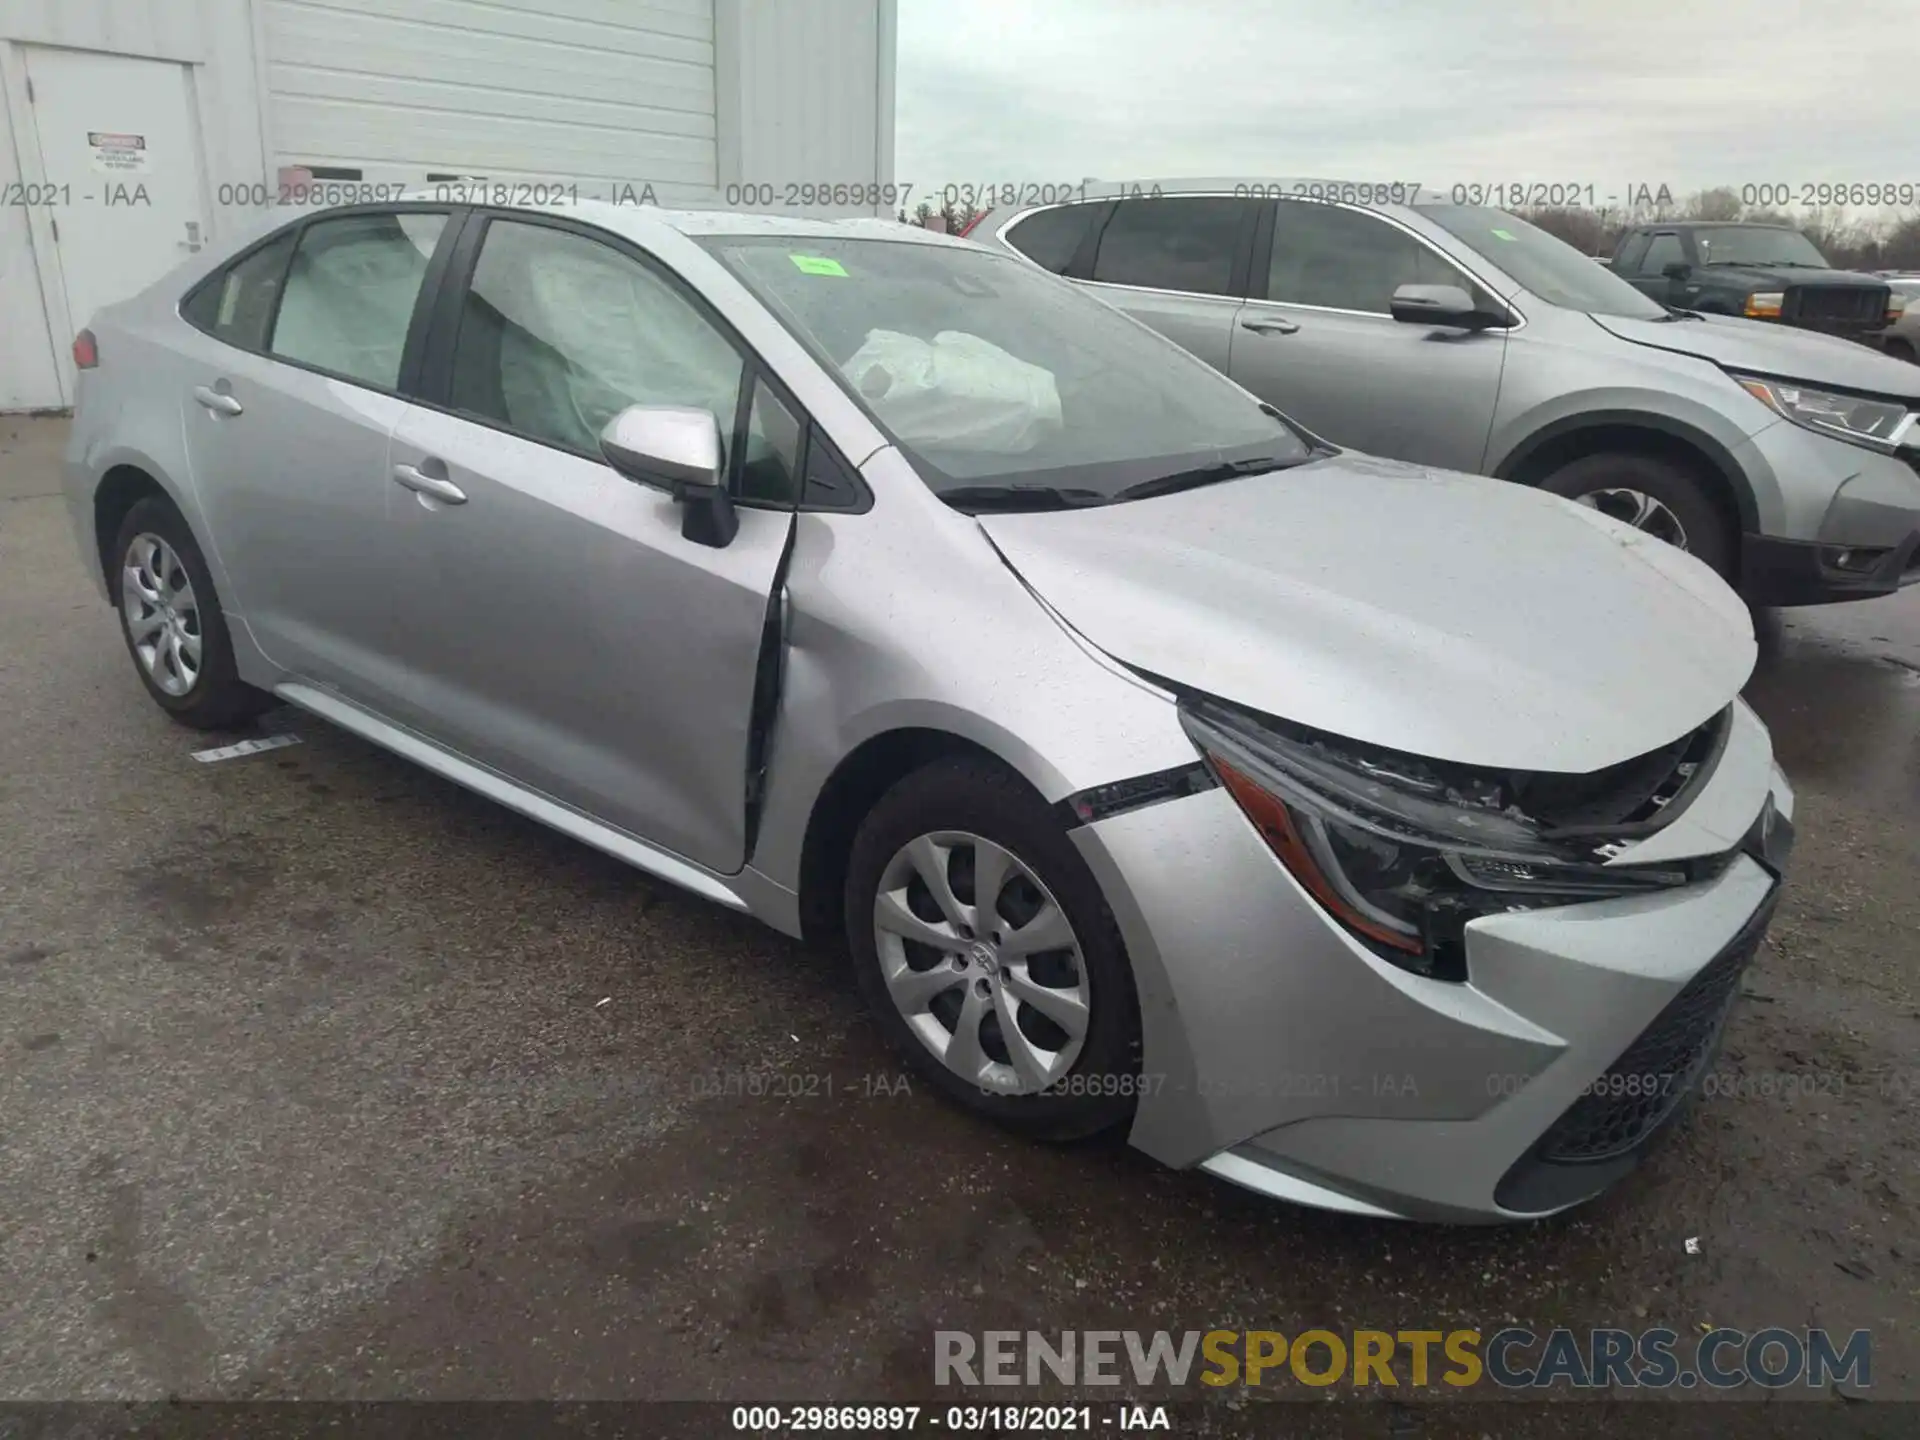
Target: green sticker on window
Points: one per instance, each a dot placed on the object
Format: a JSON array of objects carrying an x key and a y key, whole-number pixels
[
  {"x": 1503, "y": 234},
  {"x": 818, "y": 265}
]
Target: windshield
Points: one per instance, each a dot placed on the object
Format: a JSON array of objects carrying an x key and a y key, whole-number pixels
[
  {"x": 1550, "y": 268},
  {"x": 1756, "y": 246},
  {"x": 989, "y": 373}
]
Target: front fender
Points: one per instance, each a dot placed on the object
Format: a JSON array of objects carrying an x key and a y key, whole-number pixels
[
  {"x": 1520, "y": 438},
  {"x": 919, "y": 625}
]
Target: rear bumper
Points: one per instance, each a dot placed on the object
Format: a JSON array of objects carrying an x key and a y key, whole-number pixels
[{"x": 1813, "y": 572}]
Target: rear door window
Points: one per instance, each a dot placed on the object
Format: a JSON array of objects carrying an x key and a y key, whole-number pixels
[
  {"x": 350, "y": 294},
  {"x": 1051, "y": 238},
  {"x": 1178, "y": 242},
  {"x": 1631, "y": 254},
  {"x": 237, "y": 304}
]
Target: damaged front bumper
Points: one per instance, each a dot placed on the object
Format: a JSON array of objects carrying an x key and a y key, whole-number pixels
[{"x": 1282, "y": 1054}]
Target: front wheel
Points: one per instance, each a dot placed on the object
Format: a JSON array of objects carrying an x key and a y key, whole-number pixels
[
  {"x": 988, "y": 956},
  {"x": 1665, "y": 500}
]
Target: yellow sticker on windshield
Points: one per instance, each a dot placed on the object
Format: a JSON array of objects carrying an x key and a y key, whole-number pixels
[
  {"x": 1503, "y": 234},
  {"x": 818, "y": 265}
]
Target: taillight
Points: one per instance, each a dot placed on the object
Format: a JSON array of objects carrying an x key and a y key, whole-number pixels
[{"x": 86, "y": 350}]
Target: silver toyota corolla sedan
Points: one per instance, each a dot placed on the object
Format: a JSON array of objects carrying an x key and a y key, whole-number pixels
[{"x": 1374, "y": 837}]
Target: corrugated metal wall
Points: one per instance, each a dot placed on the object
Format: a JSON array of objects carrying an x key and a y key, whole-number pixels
[
  {"x": 803, "y": 86},
  {"x": 595, "y": 92}
]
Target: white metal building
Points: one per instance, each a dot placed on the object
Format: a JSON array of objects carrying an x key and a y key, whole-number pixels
[{"x": 132, "y": 132}]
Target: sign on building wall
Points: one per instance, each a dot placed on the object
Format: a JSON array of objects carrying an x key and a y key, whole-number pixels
[{"x": 113, "y": 153}]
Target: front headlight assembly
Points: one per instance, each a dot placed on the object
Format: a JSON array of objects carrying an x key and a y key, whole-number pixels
[
  {"x": 1877, "y": 424},
  {"x": 1405, "y": 852}
]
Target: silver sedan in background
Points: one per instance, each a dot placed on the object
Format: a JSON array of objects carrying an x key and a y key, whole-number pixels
[{"x": 1374, "y": 837}]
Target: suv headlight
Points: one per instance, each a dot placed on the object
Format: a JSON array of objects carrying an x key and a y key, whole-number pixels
[
  {"x": 1877, "y": 424},
  {"x": 1764, "y": 305},
  {"x": 1402, "y": 852}
]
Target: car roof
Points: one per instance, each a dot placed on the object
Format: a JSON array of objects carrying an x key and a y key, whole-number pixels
[
  {"x": 638, "y": 221},
  {"x": 1259, "y": 187}
]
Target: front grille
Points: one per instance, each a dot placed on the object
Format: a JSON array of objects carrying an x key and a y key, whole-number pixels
[
  {"x": 1640, "y": 1090},
  {"x": 1846, "y": 305}
]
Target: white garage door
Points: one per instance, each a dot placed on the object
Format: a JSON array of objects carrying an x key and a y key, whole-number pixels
[{"x": 597, "y": 92}]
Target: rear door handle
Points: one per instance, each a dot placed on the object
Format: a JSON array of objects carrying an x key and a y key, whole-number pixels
[
  {"x": 218, "y": 401},
  {"x": 440, "y": 488},
  {"x": 1266, "y": 324}
]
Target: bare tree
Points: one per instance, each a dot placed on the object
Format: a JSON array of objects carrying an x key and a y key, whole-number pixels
[{"x": 1721, "y": 204}]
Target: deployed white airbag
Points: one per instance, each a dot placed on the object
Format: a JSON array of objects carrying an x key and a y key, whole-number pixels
[{"x": 958, "y": 392}]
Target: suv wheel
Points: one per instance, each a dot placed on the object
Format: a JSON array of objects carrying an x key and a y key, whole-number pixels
[
  {"x": 1657, "y": 496},
  {"x": 988, "y": 956},
  {"x": 172, "y": 622}
]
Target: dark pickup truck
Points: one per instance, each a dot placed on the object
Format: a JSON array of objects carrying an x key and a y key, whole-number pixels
[{"x": 1764, "y": 272}]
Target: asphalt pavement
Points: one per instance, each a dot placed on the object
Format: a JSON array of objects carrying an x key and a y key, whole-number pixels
[{"x": 320, "y": 1077}]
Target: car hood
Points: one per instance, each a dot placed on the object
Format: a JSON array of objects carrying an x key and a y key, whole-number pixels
[
  {"x": 1763, "y": 348},
  {"x": 1784, "y": 275},
  {"x": 1444, "y": 615}
]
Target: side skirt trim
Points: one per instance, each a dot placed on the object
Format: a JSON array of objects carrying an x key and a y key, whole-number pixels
[{"x": 498, "y": 788}]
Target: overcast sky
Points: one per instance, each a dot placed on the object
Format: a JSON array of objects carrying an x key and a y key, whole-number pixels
[{"x": 1608, "y": 92}]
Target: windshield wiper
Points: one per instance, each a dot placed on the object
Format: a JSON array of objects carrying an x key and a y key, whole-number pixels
[
  {"x": 1205, "y": 475},
  {"x": 974, "y": 499},
  {"x": 1674, "y": 313}
]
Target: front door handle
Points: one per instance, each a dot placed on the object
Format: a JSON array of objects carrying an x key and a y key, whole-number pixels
[
  {"x": 218, "y": 401},
  {"x": 1269, "y": 324},
  {"x": 439, "y": 487}
]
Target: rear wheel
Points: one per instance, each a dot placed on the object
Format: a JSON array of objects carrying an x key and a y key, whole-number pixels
[
  {"x": 1649, "y": 493},
  {"x": 1901, "y": 350},
  {"x": 172, "y": 622},
  {"x": 988, "y": 956}
]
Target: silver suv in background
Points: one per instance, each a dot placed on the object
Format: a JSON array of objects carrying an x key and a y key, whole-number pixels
[{"x": 1462, "y": 337}]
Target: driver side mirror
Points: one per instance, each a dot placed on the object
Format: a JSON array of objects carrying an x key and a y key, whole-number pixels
[
  {"x": 676, "y": 448},
  {"x": 1445, "y": 305}
]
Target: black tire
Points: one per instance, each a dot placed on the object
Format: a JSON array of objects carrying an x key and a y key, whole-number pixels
[
  {"x": 1099, "y": 1090},
  {"x": 1902, "y": 350},
  {"x": 217, "y": 699},
  {"x": 1709, "y": 531}
]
